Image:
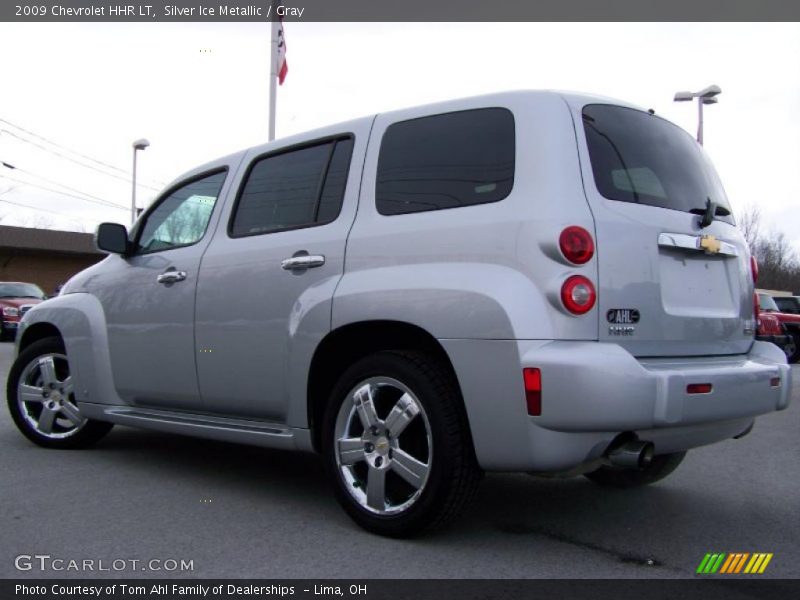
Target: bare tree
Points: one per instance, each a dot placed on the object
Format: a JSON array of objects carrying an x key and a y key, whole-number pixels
[
  {"x": 778, "y": 264},
  {"x": 750, "y": 224},
  {"x": 40, "y": 222}
]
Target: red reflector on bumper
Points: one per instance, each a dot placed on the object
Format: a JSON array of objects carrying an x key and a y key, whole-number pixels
[
  {"x": 699, "y": 388},
  {"x": 533, "y": 391},
  {"x": 775, "y": 382}
]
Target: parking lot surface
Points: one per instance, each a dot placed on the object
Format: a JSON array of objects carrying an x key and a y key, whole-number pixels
[{"x": 239, "y": 511}]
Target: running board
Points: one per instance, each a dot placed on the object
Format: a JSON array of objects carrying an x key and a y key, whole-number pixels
[{"x": 241, "y": 431}]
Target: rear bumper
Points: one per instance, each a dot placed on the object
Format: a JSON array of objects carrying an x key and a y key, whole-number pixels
[{"x": 592, "y": 392}]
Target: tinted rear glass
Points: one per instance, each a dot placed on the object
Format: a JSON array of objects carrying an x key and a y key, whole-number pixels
[
  {"x": 641, "y": 158},
  {"x": 446, "y": 161},
  {"x": 330, "y": 201}
]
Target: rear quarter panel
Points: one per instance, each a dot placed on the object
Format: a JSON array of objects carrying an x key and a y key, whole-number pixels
[{"x": 489, "y": 271}]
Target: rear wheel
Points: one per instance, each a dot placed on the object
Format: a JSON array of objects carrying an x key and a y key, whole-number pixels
[
  {"x": 41, "y": 399},
  {"x": 397, "y": 446},
  {"x": 658, "y": 468}
]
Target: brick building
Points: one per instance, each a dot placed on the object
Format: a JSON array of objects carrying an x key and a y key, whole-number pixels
[{"x": 44, "y": 256}]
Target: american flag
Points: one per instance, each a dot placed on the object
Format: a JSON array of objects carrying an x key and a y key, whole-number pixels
[{"x": 282, "y": 67}]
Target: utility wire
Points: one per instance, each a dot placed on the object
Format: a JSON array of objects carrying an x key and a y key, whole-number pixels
[
  {"x": 44, "y": 210},
  {"x": 56, "y": 144},
  {"x": 59, "y": 184},
  {"x": 47, "y": 189},
  {"x": 44, "y": 139},
  {"x": 77, "y": 162}
]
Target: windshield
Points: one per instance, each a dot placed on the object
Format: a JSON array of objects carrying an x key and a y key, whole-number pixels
[
  {"x": 767, "y": 303},
  {"x": 20, "y": 290},
  {"x": 640, "y": 158},
  {"x": 788, "y": 305}
]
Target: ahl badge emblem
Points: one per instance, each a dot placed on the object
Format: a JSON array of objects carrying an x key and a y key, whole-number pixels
[{"x": 622, "y": 321}]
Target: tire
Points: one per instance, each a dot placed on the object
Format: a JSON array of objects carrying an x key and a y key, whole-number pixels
[
  {"x": 41, "y": 401},
  {"x": 793, "y": 353},
  {"x": 415, "y": 470},
  {"x": 661, "y": 466}
]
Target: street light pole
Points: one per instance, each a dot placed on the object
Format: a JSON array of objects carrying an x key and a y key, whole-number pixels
[
  {"x": 137, "y": 145},
  {"x": 705, "y": 96},
  {"x": 699, "y": 121}
]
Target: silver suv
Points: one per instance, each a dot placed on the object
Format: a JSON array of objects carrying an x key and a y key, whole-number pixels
[{"x": 533, "y": 281}]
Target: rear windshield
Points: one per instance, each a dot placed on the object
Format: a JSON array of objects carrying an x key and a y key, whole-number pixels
[{"x": 641, "y": 158}]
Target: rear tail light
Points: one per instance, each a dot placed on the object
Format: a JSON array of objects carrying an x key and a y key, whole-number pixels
[
  {"x": 699, "y": 388},
  {"x": 533, "y": 391},
  {"x": 756, "y": 306},
  {"x": 576, "y": 245},
  {"x": 578, "y": 295},
  {"x": 754, "y": 273}
]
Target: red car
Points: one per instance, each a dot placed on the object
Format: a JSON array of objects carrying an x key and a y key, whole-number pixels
[
  {"x": 15, "y": 300},
  {"x": 789, "y": 321}
]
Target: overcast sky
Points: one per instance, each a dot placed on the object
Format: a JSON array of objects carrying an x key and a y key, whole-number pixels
[{"x": 198, "y": 91}]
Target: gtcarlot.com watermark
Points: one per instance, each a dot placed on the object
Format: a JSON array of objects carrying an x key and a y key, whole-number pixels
[{"x": 47, "y": 563}]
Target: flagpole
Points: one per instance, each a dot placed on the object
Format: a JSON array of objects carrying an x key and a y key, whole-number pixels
[{"x": 273, "y": 75}]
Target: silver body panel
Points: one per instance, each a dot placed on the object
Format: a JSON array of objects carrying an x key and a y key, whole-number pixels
[{"x": 226, "y": 352}]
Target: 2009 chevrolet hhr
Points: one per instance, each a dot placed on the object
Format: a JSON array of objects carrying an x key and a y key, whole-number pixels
[{"x": 531, "y": 281}]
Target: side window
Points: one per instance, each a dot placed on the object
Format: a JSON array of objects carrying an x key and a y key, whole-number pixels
[
  {"x": 299, "y": 188},
  {"x": 181, "y": 218},
  {"x": 446, "y": 161}
]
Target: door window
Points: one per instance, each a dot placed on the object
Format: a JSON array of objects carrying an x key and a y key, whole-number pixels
[
  {"x": 295, "y": 189},
  {"x": 181, "y": 218}
]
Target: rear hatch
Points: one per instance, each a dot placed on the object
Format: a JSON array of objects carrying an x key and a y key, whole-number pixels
[{"x": 673, "y": 269}]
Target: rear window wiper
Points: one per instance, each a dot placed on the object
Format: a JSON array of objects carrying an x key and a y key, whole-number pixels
[{"x": 709, "y": 212}]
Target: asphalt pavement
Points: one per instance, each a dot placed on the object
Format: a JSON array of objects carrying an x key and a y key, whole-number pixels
[{"x": 239, "y": 511}]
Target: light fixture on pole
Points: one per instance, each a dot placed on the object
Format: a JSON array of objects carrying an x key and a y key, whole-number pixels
[
  {"x": 705, "y": 96},
  {"x": 137, "y": 145}
]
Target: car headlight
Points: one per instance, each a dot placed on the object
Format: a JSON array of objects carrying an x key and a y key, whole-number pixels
[{"x": 10, "y": 311}]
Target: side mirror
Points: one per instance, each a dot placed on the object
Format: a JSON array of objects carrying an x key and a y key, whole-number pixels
[{"x": 112, "y": 237}]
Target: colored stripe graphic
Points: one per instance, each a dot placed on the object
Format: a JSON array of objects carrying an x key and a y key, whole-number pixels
[
  {"x": 765, "y": 563},
  {"x": 717, "y": 564},
  {"x": 752, "y": 563},
  {"x": 734, "y": 562},
  {"x": 728, "y": 563},
  {"x": 741, "y": 563},
  {"x": 711, "y": 563},
  {"x": 703, "y": 563}
]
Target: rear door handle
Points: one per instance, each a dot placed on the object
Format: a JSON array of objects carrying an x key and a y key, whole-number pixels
[
  {"x": 303, "y": 261},
  {"x": 171, "y": 276}
]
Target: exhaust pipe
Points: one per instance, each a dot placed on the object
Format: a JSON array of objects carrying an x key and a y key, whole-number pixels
[{"x": 632, "y": 455}]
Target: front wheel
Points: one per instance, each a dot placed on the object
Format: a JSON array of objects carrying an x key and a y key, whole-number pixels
[
  {"x": 397, "y": 445},
  {"x": 41, "y": 399},
  {"x": 658, "y": 468}
]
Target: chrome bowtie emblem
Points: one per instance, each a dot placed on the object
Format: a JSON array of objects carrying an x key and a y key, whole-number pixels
[{"x": 709, "y": 244}]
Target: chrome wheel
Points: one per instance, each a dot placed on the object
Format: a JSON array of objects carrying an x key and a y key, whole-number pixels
[
  {"x": 46, "y": 400},
  {"x": 383, "y": 445}
]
